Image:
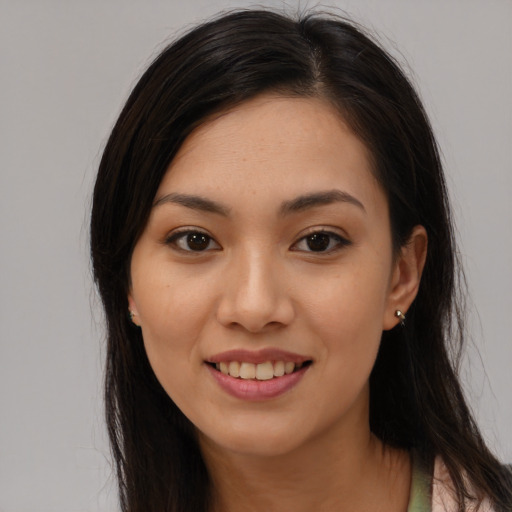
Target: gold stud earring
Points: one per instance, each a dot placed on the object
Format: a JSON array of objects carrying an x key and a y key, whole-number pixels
[{"x": 400, "y": 317}]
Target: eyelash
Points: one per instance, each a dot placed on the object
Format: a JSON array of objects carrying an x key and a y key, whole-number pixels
[
  {"x": 340, "y": 242},
  {"x": 183, "y": 235}
]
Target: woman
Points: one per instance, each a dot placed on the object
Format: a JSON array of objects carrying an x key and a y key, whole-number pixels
[{"x": 272, "y": 242}]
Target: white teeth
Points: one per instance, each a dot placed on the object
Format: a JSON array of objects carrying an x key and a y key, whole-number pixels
[
  {"x": 234, "y": 369},
  {"x": 247, "y": 371},
  {"x": 265, "y": 371},
  {"x": 279, "y": 368},
  {"x": 289, "y": 367},
  {"x": 224, "y": 368}
]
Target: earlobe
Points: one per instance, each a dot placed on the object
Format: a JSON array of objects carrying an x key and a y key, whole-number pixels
[
  {"x": 132, "y": 311},
  {"x": 406, "y": 277}
]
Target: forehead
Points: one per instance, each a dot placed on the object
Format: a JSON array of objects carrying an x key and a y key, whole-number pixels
[{"x": 271, "y": 144}]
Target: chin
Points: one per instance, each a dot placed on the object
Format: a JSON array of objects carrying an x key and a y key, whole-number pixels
[{"x": 257, "y": 440}]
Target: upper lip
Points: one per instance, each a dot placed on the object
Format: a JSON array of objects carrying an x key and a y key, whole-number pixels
[{"x": 258, "y": 356}]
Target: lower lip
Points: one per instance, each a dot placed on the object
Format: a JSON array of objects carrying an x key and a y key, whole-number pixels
[{"x": 254, "y": 390}]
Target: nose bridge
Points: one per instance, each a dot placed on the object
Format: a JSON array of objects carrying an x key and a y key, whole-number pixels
[{"x": 255, "y": 296}]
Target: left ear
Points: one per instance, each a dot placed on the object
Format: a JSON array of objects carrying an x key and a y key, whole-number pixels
[
  {"x": 406, "y": 277},
  {"x": 132, "y": 310}
]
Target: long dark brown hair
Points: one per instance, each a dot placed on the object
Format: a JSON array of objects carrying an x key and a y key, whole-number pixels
[{"x": 416, "y": 401}]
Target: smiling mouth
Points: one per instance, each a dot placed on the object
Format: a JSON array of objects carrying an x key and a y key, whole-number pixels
[{"x": 262, "y": 371}]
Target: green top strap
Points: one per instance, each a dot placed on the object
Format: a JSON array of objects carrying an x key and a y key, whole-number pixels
[{"x": 420, "y": 499}]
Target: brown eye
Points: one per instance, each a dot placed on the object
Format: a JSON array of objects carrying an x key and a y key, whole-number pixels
[
  {"x": 321, "y": 242},
  {"x": 197, "y": 241},
  {"x": 192, "y": 241},
  {"x": 318, "y": 241}
]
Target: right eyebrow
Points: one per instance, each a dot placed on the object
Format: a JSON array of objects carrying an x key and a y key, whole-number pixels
[{"x": 193, "y": 202}]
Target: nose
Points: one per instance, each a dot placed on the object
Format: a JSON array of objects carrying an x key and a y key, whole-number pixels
[{"x": 255, "y": 294}]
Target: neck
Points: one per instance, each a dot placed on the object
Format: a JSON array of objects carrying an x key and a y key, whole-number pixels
[{"x": 323, "y": 475}]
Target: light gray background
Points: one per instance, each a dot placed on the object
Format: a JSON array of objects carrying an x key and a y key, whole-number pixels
[{"x": 66, "y": 68}]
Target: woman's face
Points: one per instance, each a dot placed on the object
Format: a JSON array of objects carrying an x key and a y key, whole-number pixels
[{"x": 268, "y": 250}]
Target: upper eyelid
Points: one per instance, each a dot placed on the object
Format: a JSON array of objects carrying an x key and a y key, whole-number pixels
[
  {"x": 329, "y": 230},
  {"x": 178, "y": 233},
  {"x": 187, "y": 229},
  {"x": 308, "y": 232},
  {"x": 343, "y": 239}
]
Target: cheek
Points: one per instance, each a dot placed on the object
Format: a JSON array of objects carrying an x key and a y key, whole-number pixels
[
  {"x": 347, "y": 323},
  {"x": 351, "y": 301},
  {"x": 347, "y": 316},
  {"x": 169, "y": 302},
  {"x": 173, "y": 311},
  {"x": 170, "y": 344}
]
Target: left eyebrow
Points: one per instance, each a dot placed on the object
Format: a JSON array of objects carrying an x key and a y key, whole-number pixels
[
  {"x": 307, "y": 201},
  {"x": 193, "y": 202}
]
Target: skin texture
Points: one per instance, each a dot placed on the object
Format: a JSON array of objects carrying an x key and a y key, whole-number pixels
[{"x": 257, "y": 284}]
